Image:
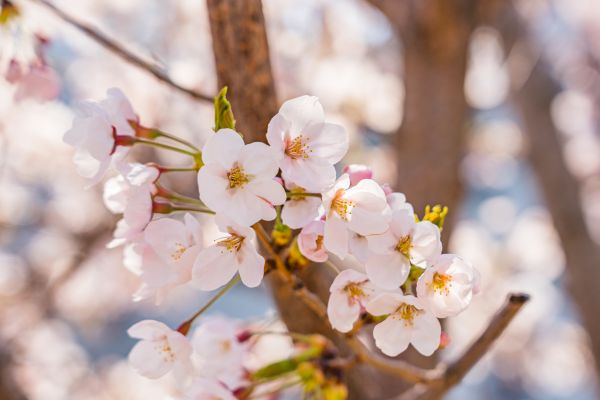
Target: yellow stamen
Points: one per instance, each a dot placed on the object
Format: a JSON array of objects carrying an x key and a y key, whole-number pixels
[
  {"x": 407, "y": 312},
  {"x": 441, "y": 282},
  {"x": 404, "y": 245},
  {"x": 166, "y": 349},
  {"x": 297, "y": 148},
  {"x": 319, "y": 242},
  {"x": 343, "y": 207},
  {"x": 231, "y": 243},
  {"x": 178, "y": 253},
  {"x": 237, "y": 177}
]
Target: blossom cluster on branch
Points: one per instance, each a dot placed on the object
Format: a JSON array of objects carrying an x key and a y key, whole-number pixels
[{"x": 405, "y": 287}]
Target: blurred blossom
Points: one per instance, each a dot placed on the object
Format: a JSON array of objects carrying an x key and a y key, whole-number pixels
[
  {"x": 498, "y": 214},
  {"x": 13, "y": 274}
]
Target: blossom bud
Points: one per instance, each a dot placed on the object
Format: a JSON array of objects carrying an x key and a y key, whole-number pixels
[
  {"x": 335, "y": 391},
  {"x": 223, "y": 113},
  {"x": 444, "y": 340},
  {"x": 281, "y": 234},
  {"x": 357, "y": 173},
  {"x": 436, "y": 215}
]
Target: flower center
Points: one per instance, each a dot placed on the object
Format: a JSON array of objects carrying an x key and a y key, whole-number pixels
[
  {"x": 178, "y": 252},
  {"x": 225, "y": 346},
  {"x": 297, "y": 194},
  {"x": 319, "y": 242},
  {"x": 354, "y": 290},
  {"x": 231, "y": 243},
  {"x": 407, "y": 312},
  {"x": 342, "y": 206},
  {"x": 297, "y": 148},
  {"x": 441, "y": 283},
  {"x": 165, "y": 348},
  {"x": 237, "y": 177},
  {"x": 404, "y": 245}
]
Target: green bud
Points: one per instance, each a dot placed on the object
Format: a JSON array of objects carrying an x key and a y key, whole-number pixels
[
  {"x": 223, "y": 113},
  {"x": 281, "y": 234}
]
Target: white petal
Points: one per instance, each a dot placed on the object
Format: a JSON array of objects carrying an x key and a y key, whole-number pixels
[
  {"x": 269, "y": 190},
  {"x": 426, "y": 243},
  {"x": 276, "y": 131},
  {"x": 341, "y": 313},
  {"x": 313, "y": 175},
  {"x": 251, "y": 265},
  {"x": 165, "y": 235},
  {"x": 392, "y": 336},
  {"x": 214, "y": 267},
  {"x": 426, "y": 334},
  {"x": 299, "y": 213},
  {"x": 213, "y": 185},
  {"x": 345, "y": 277},
  {"x": 336, "y": 236},
  {"x": 257, "y": 160},
  {"x": 222, "y": 148},
  {"x": 384, "y": 303},
  {"x": 388, "y": 271},
  {"x": 148, "y": 361},
  {"x": 148, "y": 329},
  {"x": 383, "y": 243},
  {"x": 301, "y": 112},
  {"x": 328, "y": 142}
]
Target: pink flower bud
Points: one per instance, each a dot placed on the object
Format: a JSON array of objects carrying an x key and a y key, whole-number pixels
[
  {"x": 444, "y": 340},
  {"x": 357, "y": 173}
]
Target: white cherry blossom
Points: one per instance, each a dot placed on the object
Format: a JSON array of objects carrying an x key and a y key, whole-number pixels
[
  {"x": 218, "y": 354},
  {"x": 310, "y": 241},
  {"x": 447, "y": 287},
  {"x": 236, "y": 252},
  {"x": 361, "y": 209},
  {"x": 406, "y": 242},
  {"x": 237, "y": 179},
  {"x": 159, "y": 351},
  {"x": 131, "y": 194},
  {"x": 408, "y": 322},
  {"x": 349, "y": 293},
  {"x": 299, "y": 209},
  {"x": 94, "y": 132},
  {"x": 305, "y": 146}
]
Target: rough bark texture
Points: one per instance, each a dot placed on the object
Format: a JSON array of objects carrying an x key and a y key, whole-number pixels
[
  {"x": 430, "y": 143},
  {"x": 242, "y": 62}
]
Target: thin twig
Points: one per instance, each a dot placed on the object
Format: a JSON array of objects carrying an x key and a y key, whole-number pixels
[
  {"x": 457, "y": 369},
  {"x": 121, "y": 51}
]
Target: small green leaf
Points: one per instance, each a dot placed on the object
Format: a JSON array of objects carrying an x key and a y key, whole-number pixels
[{"x": 223, "y": 113}]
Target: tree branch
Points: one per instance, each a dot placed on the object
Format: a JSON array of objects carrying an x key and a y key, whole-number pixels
[
  {"x": 457, "y": 370},
  {"x": 119, "y": 50}
]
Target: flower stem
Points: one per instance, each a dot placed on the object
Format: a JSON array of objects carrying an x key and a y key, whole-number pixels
[
  {"x": 167, "y": 208},
  {"x": 174, "y": 196},
  {"x": 184, "y": 328},
  {"x": 166, "y": 147},
  {"x": 178, "y": 140},
  {"x": 176, "y": 169}
]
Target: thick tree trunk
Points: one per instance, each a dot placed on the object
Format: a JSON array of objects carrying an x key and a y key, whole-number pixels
[{"x": 242, "y": 61}]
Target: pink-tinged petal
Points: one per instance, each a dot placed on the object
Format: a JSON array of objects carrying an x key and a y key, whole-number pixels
[
  {"x": 313, "y": 175},
  {"x": 328, "y": 142},
  {"x": 402, "y": 223},
  {"x": 308, "y": 242},
  {"x": 147, "y": 360},
  {"x": 257, "y": 160},
  {"x": 365, "y": 222},
  {"x": 301, "y": 112},
  {"x": 336, "y": 236},
  {"x": 345, "y": 277},
  {"x": 397, "y": 202},
  {"x": 119, "y": 111},
  {"x": 357, "y": 173},
  {"x": 167, "y": 236},
  {"x": 148, "y": 329},
  {"x": 426, "y": 334},
  {"x": 342, "y": 314},
  {"x": 276, "y": 131},
  {"x": 89, "y": 167},
  {"x": 383, "y": 243},
  {"x": 251, "y": 265},
  {"x": 388, "y": 271},
  {"x": 213, "y": 185},
  {"x": 139, "y": 174},
  {"x": 208, "y": 389},
  {"x": 193, "y": 226},
  {"x": 222, "y": 148},
  {"x": 392, "y": 336},
  {"x": 426, "y": 242},
  {"x": 368, "y": 194},
  {"x": 299, "y": 213},
  {"x": 214, "y": 267},
  {"x": 385, "y": 303},
  {"x": 180, "y": 345},
  {"x": 115, "y": 194},
  {"x": 269, "y": 190},
  {"x": 358, "y": 246}
]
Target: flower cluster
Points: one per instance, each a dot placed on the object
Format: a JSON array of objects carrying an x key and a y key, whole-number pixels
[{"x": 405, "y": 285}]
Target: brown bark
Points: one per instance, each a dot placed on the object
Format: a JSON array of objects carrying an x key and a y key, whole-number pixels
[{"x": 243, "y": 64}]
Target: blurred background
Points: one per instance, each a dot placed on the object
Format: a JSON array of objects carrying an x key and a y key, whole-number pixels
[{"x": 489, "y": 107}]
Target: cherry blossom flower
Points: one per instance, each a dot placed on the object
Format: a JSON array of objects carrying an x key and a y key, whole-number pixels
[
  {"x": 361, "y": 209},
  {"x": 305, "y": 146},
  {"x": 40, "y": 82},
  {"x": 94, "y": 132},
  {"x": 237, "y": 179},
  {"x": 447, "y": 287},
  {"x": 159, "y": 351},
  {"x": 236, "y": 252},
  {"x": 218, "y": 354},
  {"x": 131, "y": 194},
  {"x": 299, "y": 210},
  {"x": 350, "y": 292},
  {"x": 207, "y": 389},
  {"x": 406, "y": 242},
  {"x": 357, "y": 172},
  {"x": 408, "y": 322},
  {"x": 310, "y": 241}
]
